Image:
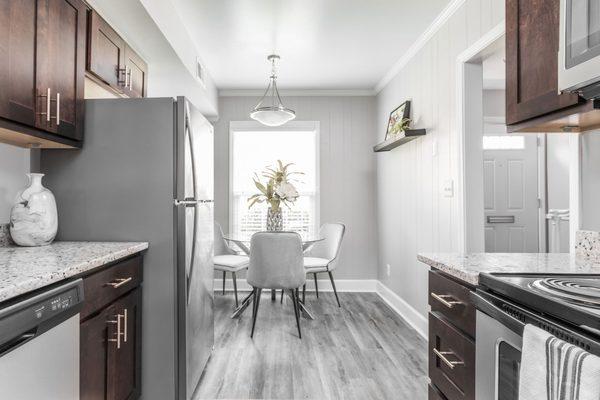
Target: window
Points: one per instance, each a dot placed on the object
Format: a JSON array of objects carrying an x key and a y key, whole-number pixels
[
  {"x": 503, "y": 142},
  {"x": 254, "y": 147}
]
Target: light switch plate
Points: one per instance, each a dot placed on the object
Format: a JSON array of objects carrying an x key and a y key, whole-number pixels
[{"x": 448, "y": 188}]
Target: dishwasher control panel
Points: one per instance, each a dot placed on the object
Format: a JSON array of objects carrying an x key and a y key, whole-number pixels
[{"x": 37, "y": 313}]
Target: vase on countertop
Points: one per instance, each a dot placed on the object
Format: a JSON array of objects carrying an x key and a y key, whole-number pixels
[
  {"x": 274, "y": 220},
  {"x": 34, "y": 218}
]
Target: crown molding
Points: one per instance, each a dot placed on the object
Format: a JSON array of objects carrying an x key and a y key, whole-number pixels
[
  {"x": 431, "y": 30},
  {"x": 297, "y": 92}
]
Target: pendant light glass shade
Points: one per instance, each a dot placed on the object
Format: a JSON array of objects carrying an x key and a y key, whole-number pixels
[{"x": 270, "y": 110}]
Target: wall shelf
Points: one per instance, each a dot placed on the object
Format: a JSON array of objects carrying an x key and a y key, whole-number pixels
[{"x": 405, "y": 137}]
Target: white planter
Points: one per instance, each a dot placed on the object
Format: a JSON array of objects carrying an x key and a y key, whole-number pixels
[{"x": 34, "y": 218}]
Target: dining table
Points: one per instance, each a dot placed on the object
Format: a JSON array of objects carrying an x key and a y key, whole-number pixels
[{"x": 243, "y": 243}]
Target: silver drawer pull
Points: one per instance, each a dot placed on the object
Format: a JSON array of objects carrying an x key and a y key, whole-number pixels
[
  {"x": 442, "y": 356},
  {"x": 119, "y": 282},
  {"x": 119, "y": 333},
  {"x": 442, "y": 299},
  {"x": 125, "y": 326}
]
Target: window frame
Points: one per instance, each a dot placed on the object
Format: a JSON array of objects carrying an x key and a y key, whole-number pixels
[{"x": 292, "y": 126}]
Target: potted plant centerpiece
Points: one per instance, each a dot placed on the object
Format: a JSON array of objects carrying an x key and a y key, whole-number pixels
[{"x": 278, "y": 190}]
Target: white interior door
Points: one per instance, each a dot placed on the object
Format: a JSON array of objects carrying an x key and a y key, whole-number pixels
[{"x": 510, "y": 171}]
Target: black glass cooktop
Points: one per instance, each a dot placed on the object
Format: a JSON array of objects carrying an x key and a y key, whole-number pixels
[{"x": 571, "y": 298}]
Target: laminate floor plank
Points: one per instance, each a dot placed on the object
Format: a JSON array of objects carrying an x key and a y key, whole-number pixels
[{"x": 363, "y": 350}]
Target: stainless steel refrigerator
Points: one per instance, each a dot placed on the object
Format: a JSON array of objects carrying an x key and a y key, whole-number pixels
[{"x": 145, "y": 173}]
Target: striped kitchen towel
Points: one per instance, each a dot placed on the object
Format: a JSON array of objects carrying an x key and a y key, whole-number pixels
[{"x": 552, "y": 369}]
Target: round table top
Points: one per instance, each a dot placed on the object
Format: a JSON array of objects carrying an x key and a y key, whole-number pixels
[{"x": 244, "y": 239}]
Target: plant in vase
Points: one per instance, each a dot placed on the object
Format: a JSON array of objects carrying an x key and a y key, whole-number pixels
[{"x": 278, "y": 190}]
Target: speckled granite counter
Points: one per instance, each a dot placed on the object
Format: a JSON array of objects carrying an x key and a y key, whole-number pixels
[
  {"x": 23, "y": 269},
  {"x": 467, "y": 267}
]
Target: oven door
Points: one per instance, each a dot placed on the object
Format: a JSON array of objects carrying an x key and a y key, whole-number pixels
[
  {"x": 498, "y": 358},
  {"x": 579, "y": 44}
]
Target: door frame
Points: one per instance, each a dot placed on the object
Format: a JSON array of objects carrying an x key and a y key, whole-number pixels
[{"x": 469, "y": 124}]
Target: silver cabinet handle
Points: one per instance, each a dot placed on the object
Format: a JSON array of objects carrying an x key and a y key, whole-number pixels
[
  {"x": 130, "y": 80},
  {"x": 119, "y": 333},
  {"x": 57, "y": 108},
  {"x": 442, "y": 356},
  {"x": 127, "y": 76},
  {"x": 47, "y": 97},
  {"x": 125, "y": 326},
  {"x": 119, "y": 282},
  {"x": 442, "y": 299}
]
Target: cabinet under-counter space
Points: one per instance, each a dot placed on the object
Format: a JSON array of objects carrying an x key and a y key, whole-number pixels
[
  {"x": 452, "y": 318},
  {"x": 110, "y": 328}
]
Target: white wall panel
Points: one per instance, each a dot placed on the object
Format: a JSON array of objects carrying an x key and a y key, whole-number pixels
[{"x": 413, "y": 214}]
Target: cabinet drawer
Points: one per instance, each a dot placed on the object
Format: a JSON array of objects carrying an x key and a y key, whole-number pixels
[
  {"x": 101, "y": 288},
  {"x": 453, "y": 300},
  {"x": 451, "y": 360}
]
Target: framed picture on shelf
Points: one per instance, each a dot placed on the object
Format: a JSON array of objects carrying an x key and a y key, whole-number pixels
[{"x": 399, "y": 118}]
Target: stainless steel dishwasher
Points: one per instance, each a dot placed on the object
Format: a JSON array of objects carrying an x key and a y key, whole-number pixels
[{"x": 39, "y": 345}]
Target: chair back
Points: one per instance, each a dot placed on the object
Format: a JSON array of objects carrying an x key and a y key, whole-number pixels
[
  {"x": 329, "y": 248},
  {"x": 276, "y": 261},
  {"x": 221, "y": 246}
]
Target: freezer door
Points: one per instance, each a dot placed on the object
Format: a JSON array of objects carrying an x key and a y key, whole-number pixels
[{"x": 195, "y": 237}]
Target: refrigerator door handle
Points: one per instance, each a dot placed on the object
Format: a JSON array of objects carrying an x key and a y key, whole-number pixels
[{"x": 190, "y": 202}]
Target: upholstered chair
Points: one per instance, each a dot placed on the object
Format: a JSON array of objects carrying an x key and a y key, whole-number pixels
[
  {"x": 323, "y": 256},
  {"x": 227, "y": 260},
  {"x": 276, "y": 262}
]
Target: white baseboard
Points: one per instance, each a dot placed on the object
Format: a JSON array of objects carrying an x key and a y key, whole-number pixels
[
  {"x": 405, "y": 310},
  {"x": 415, "y": 319},
  {"x": 342, "y": 285}
]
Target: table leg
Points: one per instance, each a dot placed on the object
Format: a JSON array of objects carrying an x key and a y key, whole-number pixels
[
  {"x": 245, "y": 303},
  {"x": 273, "y": 294}
]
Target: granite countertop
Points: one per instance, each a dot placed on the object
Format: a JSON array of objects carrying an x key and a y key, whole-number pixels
[
  {"x": 467, "y": 267},
  {"x": 23, "y": 269}
]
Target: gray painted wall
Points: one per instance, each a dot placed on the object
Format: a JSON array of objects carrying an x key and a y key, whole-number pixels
[
  {"x": 590, "y": 181},
  {"x": 414, "y": 216},
  {"x": 347, "y": 170},
  {"x": 14, "y": 164}
]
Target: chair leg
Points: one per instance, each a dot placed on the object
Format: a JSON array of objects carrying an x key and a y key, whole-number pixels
[
  {"x": 334, "y": 289},
  {"x": 224, "y": 282},
  {"x": 257, "y": 292},
  {"x": 303, "y": 292},
  {"x": 296, "y": 310},
  {"x": 281, "y": 300},
  {"x": 316, "y": 285},
  {"x": 235, "y": 288}
]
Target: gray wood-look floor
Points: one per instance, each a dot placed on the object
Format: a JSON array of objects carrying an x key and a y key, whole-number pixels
[{"x": 360, "y": 351}]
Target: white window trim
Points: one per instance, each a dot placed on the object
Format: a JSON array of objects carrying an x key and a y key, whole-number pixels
[{"x": 292, "y": 126}]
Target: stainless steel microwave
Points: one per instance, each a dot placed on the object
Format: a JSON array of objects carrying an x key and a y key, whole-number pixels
[{"x": 579, "y": 47}]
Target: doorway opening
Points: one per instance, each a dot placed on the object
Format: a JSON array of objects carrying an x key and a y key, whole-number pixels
[{"x": 516, "y": 187}]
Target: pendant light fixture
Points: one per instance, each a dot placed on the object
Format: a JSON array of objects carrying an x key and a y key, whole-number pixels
[{"x": 270, "y": 111}]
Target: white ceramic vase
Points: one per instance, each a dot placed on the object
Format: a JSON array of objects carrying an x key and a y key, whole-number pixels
[{"x": 34, "y": 218}]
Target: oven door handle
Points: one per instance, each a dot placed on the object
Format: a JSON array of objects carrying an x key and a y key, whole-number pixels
[{"x": 496, "y": 313}]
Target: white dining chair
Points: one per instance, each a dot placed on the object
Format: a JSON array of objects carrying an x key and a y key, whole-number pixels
[
  {"x": 323, "y": 256},
  {"x": 276, "y": 263},
  {"x": 227, "y": 260}
]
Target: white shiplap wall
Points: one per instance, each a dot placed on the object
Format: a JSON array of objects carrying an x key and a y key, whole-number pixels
[
  {"x": 413, "y": 214},
  {"x": 347, "y": 165}
]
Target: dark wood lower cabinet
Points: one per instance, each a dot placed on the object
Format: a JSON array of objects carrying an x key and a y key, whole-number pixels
[
  {"x": 110, "y": 343},
  {"x": 451, "y": 339}
]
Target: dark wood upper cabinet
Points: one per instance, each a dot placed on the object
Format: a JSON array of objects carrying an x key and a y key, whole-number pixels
[
  {"x": 60, "y": 66},
  {"x": 532, "y": 34},
  {"x": 17, "y": 60},
  {"x": 137, "y": 74},
  {"x": 106, "y": 52}
]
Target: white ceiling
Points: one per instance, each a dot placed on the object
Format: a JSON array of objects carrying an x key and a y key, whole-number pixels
[{"x": 324, "y": 44}]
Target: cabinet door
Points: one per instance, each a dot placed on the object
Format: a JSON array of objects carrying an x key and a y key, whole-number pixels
[
  {"x": 106, "y": 52},
  {"x": 60, "y": 66},
  {"x": 17, "y": 61},
  {"x": 137, "y": 74},
  {"x": 532, "y": 60},
  {"x": 124, "y": 369},
  {"x": 95, "y": 352}
]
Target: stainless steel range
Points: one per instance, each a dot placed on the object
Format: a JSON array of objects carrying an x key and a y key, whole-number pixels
[{"x": 567, "y": 306}]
